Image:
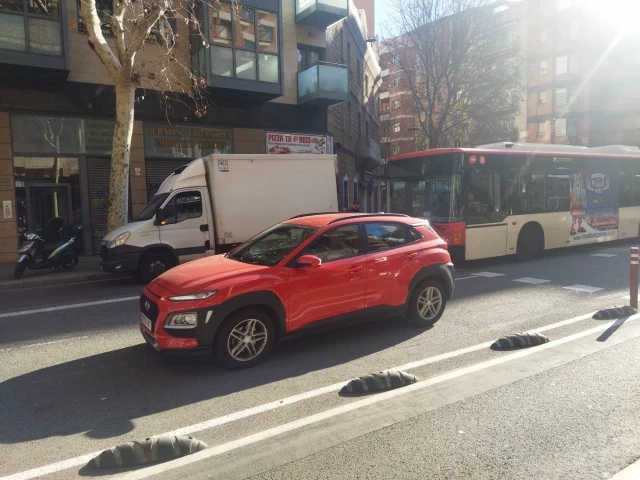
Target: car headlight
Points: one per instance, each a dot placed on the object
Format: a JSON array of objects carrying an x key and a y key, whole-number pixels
[
  {"x": 119, "y": 240},
  {"x": 26, "y": 247},
  {"x": 181, "y": 320},
  {"x": 193, "y": 296}
]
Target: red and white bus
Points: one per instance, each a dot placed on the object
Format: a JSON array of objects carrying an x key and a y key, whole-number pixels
[{"x": 519, "y": 199}]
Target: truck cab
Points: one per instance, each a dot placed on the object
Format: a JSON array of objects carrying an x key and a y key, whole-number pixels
[{"x": 173, "y": 228}]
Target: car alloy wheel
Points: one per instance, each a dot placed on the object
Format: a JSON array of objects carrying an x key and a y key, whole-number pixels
[
  {"x": 429, "y": 303},
  {"x": 247, "y": 340}
]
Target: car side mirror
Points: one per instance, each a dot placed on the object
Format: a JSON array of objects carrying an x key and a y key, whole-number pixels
[
  {"x": 160, "y": 217},
  {"x": 309, "y": 261}
]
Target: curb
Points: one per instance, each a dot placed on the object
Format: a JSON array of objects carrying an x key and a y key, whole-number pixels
[{"x": 53, "y": 280}]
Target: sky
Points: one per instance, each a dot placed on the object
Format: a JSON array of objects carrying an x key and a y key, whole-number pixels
[{"x": 383, "y": 10}]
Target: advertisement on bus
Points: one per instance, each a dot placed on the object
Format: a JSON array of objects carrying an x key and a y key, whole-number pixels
[{"x": 594, "y": 206}]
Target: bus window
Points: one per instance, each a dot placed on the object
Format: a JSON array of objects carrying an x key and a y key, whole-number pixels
[
  {"x": 625, "y": 183},
  {"x": 532, "y": 193},
  {"x": 558, "y": 193},
  {"x": 484, "y": 203}
]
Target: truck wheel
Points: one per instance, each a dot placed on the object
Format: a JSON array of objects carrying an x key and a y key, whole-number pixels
[
  {"x": 19, "y": 270},
  {"x": 427, "y": 303},
  {"x": 244, "y": 340},
  {"x": 153, "y": 265}
]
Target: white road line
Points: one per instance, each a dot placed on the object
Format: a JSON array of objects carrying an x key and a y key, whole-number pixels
[
  {"x": 583, "y": 288},
  {"x": 43, "y": 344},
  {"x": 605, "y": 255},
  {"x": 318, "y": 417},
  {"x": 632, "y": 472},
  {"x": 532, "y": 281},
  {"x": 487, "y": 274},
  {"x": 82, "y": 460},
  {"x": 464, "y": 278},
  {"x": 68, "y": 307}
]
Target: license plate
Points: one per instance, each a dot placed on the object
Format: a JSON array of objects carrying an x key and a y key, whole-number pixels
[{"x": 146, "y": 322}]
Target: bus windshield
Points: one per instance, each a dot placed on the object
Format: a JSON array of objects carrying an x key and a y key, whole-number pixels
[{"x": 434, "y": 198}]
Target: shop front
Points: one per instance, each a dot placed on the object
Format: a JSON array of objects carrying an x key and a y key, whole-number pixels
[
  {"x": 61, "y": 170},
  {"x": 168, "y": 147}
]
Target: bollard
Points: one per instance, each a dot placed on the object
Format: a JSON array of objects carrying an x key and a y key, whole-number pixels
[{"x": 633, "y": 278}]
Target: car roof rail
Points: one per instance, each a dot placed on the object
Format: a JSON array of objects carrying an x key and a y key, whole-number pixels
[
  {"x": 313, "y": 214},
  {"x": 368, "y": 215}
]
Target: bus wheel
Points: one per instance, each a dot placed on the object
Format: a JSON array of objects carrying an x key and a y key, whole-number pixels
[{"x": 530, "y": 242}]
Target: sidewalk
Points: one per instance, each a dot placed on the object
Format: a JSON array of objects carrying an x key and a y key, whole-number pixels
[{"x": 87, "y": 270}]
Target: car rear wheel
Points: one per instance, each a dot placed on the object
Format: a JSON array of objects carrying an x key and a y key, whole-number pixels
[
  {"x": 427, "y": 303},
  {"x": 244, "y": 340}
]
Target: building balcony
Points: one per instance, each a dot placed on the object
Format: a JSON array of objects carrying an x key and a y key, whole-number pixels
[
  {"x": 321, "y": 13},
  {"x": 369, "y": 156},
  {"x": 384, "y": 95},
  {"x": 384, "y": 117},
  {"x": 384, "y": 72},
  {"x": 33, "y": 45},
  {"x": 385, "y": 139},
  {"x": 323, "y": 84}
]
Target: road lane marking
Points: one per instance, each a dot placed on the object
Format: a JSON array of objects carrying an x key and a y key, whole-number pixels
[
  {"x": 207, "y": 424},
  {"x": 604, "y": 255},
  {"x": 632, "y": 472},
  {"x": 68, "y": 307},
  {"x": 464, "y": 278},
  {"x": 583, "y": 288},
  {"x": 333, "y": 412},
  {"x": 43, "y": 344},
  {"x": 488, "y": 274},
  {"x": 532, "y": 281}
]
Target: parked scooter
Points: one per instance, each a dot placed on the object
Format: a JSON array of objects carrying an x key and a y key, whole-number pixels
[{"x": 36, "y": 253}]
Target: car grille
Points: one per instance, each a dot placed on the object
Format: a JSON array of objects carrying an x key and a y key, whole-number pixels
[
  {"x": 103, "y": 253},
  {"x": 150, "y": 309}
]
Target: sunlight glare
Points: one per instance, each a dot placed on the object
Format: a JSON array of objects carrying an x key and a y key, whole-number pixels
[{"x": 621, "y": 13}]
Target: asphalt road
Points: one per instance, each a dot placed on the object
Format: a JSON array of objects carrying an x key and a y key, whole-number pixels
[{"x": 78, "y": 379}]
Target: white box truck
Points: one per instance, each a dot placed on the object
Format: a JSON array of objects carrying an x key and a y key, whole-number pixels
[{"x": 214, "y": 203}]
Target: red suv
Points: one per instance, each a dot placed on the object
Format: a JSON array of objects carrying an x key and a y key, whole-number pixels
[{"x": 300, "y": 274}]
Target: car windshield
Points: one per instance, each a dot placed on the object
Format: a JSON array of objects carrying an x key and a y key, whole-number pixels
[
  {"x": 150, "y": 210},
  {"x": 271, "y": 246}
]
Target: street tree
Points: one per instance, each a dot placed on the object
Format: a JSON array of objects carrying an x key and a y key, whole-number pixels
[
  {"x": 462, "y": 63},
  {"x": 148, "y": 48}
]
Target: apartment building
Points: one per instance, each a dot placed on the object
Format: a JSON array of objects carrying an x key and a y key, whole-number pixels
[
  {"x": 268, "y": 94},
  {"x": 354, "y": 124},
  {"x": 583, "y": 76}
]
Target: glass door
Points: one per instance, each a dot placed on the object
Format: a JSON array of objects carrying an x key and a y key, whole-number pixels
[{"x": 49, "y": 209}]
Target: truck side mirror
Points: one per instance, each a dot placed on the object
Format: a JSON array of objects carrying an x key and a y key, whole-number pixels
[{"x": 160, "y": 217}]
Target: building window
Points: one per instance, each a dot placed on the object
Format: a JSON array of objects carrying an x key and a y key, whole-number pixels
[
  {"x": 542, "y": 128},
  {"x": 396, "y": 104},
  {"x": 561, "y": 127},
  {"x": 544, "y": 36},
  {"x": 574, "y": 31},
  {"x": 561, "y": 96},
  {"x": 356, "y": 193},
  {"x": 396, "y": 127},
  {"x": 395, "y": 150},
  {"x": 396, "y": 58},
  {"x": 543, "y": 67},
  {"x": 366, "y": 84},
  {"x": 244, "y": 43},
  {"x": 345, "y": 192},
  {"x": 359, "y": 124},
  {"x": 562, "y": 64},
  {"x": 306, "y": 58},
  {"x": 105, "y": 11},
  {"x": 396, "y": 81},
  {"x": 542, "y": 98},
  {"x": 34, "y": 29}
]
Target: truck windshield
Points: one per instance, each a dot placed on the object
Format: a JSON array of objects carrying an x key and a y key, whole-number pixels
[
  {"x": 271, "y": 246},
  {"x": 434, "y": 198},
  {"x": 150, "y": 210}
]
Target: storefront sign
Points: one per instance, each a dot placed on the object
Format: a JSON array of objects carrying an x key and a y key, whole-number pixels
[
  {"x": 34, "y": 134},
  {"x": 594, "y": 206},
  {"x": 173, "y": 141},
  {"x": 296, "y": 143}
]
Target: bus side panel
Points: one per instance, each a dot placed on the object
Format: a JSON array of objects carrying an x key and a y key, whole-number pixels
[
  {"x": 486, "y": 241},
  {"x": 555, "y": 226},
  {"x": 629, "y": 220}
]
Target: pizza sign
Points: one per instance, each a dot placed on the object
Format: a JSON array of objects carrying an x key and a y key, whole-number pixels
[{"x": 292, "y": 143}]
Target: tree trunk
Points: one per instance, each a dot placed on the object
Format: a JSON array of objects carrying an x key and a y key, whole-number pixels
[{"x": 120, "y": 155}]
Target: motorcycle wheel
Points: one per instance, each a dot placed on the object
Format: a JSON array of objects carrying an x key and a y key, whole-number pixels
[
  {"x": 69, "y": 263},
  {"x": 19, "y": 270}
]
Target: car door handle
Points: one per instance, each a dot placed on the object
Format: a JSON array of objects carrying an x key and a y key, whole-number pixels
[
  {"x": 380, "y": 259},
  {"x": 355, "y": 269},
  {"x": 411, "y": 256},
  {"x": 204, "y": 228}
]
